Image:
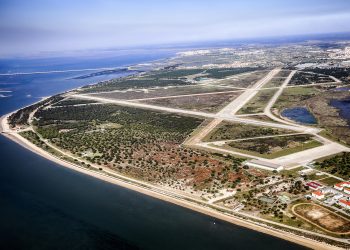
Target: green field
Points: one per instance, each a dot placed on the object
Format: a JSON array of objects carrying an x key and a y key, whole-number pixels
[
  {"x": 274, "y": 147},
  {"x": 230, "y": 131},
  {"x": 258, "y": 103}
]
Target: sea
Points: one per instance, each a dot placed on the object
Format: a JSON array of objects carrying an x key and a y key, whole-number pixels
[{"x": 46, "y": 206}]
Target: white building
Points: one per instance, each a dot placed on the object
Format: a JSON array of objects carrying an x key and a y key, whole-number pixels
[
  {"x": 318, "y": 194},
  {"x": 264, "y": 165}
]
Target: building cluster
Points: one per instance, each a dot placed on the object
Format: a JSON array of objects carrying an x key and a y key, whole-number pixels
[{"x": 338, "y": 194}]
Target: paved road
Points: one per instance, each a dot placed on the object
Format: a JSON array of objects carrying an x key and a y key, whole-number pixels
[
  {"x": 177, "y": 96},
  {"x": 225, "y": 116},
  {"x": 228, "y": 114},
  {"x": 233, "y": 107}
]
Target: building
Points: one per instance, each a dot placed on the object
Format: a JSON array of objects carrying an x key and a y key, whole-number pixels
[
  {"x": 344, "y": 203},
  {"x": 338, "y": 196},
  {"x": 314, "y": 185},
  {"x": 341, "y": 185},
  {"x": 284, "y": 198},
  {"x": 306, "y": 171},
  {"x": 318, "y": 194},
  {"x": 329, "y": 190},
  {"x": 264, "y": 165}
]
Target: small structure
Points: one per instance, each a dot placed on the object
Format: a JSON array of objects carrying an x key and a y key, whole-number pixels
[
  {"x": 347, "y": 190},
  {"x": 264, "y": 165},
  {"x": 344, "y": 203},
  {"x": 318, "y": 194},
  {"x": 329, "y": 190},
  {"x": 334, "y": 199},
  {"x": 267, "y": 199},
  {"x": 338, "y": 196},
  {"x": 284, "y": 198},
  {"x": 306, "y": 171},
  {"x": 314, "y": 185},
  {"x": 341, "y": 185}
]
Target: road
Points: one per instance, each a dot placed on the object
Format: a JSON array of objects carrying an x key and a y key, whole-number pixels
[
  {"x": 233, "y": 107},
  {"x": 189, "y": 95},
  {"x": 228, "y": 113},
  {"x": 223, "y": 116}
]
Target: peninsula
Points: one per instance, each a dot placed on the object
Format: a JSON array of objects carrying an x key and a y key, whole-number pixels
[{"x": 249, "y": 135}]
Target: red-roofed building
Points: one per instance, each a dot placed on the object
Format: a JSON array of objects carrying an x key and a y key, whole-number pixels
[
  {"x": 314, "y": 185},
  {"x": 318, "y": 194},
  {"x": 344, "y": 203},
  {"x": 341, "y": 185}
]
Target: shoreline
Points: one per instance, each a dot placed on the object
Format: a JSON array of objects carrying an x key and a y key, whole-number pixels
[{"x": 15, "y": 137}]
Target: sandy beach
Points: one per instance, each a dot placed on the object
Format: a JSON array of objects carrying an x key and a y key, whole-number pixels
[{"x": 14, "y": 136}]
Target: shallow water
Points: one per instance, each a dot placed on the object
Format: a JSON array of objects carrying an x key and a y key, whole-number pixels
[
  {"x": 344, "y": 108},
  {"x": 300, "y": 115}
]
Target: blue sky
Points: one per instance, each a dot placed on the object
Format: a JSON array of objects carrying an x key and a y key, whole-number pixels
[{"x": 31, "y": 26}]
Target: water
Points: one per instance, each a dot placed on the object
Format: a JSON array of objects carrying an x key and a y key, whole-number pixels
[
  {"x": 300, "y": 115},
  {"x": 341, "y": 89},
  {"x": 46, "y": 206},
  {"x": 21, "y": 90},
  {"x": 344, "y": 108}
]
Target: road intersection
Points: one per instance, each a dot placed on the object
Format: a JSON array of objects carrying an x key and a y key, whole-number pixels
[{"x": 228, "y": 113}]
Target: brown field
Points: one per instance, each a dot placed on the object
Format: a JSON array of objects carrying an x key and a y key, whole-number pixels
[
  {"x": 260, "y": 118},
  {"x": 244, "y": 81},
  {"x": 275, "y": 82},
  {"x": 283, "y": 73},
  {"x": 322, "y": 218},
  {"x": 206, "y": 103},
  {"x": 258, "y": 102},
  {"x": 162, "y": 92}
]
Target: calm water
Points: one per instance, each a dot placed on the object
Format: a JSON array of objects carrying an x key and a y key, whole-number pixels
[
  {"x": 46, "y": 206},
  {"x": 300, "y": 115},
  {"x": 20, "y": 90},
  {"x": 344, "y": 108}
]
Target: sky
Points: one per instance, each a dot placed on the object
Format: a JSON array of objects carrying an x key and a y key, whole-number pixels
[{"x": 34, "y": 26}]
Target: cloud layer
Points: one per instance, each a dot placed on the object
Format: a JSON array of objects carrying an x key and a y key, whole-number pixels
[{"x": 38, "y": 25}]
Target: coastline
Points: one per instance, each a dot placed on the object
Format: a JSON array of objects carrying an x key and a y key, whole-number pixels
[{"x": 14, "y": 136}]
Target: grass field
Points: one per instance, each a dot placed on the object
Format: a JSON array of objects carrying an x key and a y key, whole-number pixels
[
  {"x": 206, "y": 103},
  {"x": 301, "y": 78},
  {"x": 276, "y": 154},
  {"x": 162, "y": 92},
  {"x": 244, "y": 81},
  {"x": 275, "y": 82},
  {"x": 295, "y": 96},
  {"x": 230, "y": 131},
  {"x": 330, "y": 181},
  {"x": 258, "y": 103},
  {"x": 276, "y": 146}
]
